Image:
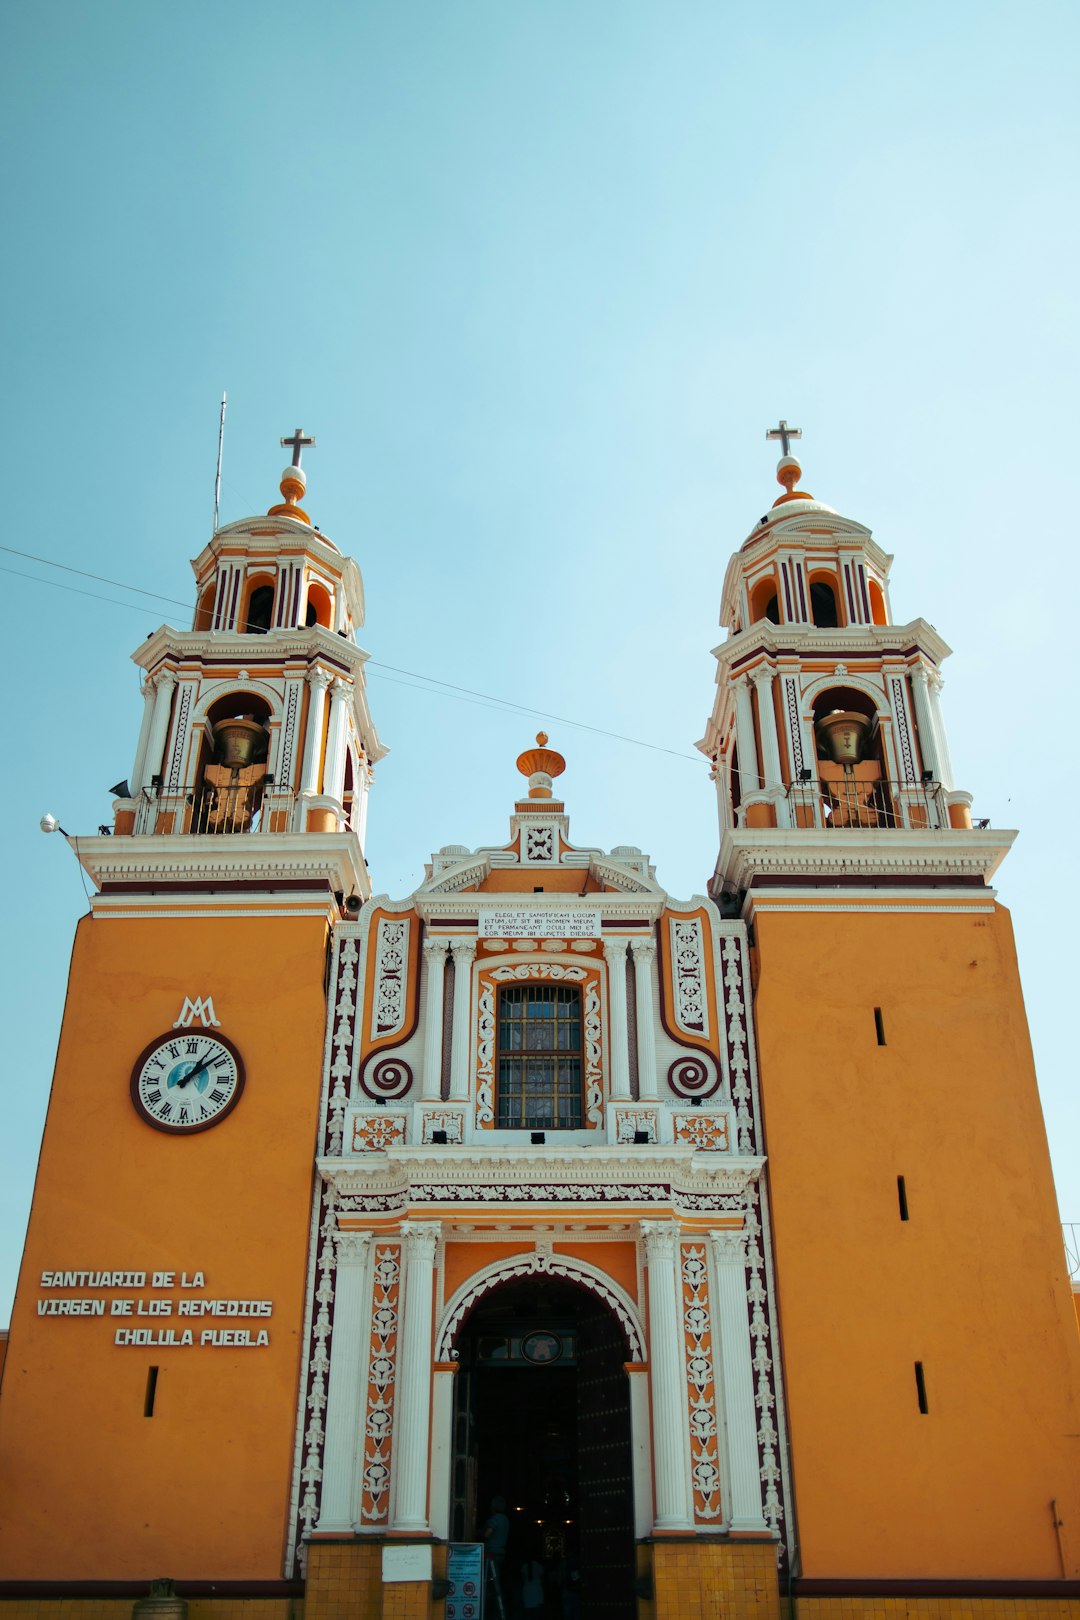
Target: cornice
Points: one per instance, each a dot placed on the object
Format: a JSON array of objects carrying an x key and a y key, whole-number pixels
[
  {"x": 410, "y": 1174},
  {"x": 435, "y": 906},
  {"x": 869, "y": 853},
  {"x": 280, "y": 534},
  {"x": 323, "y": 859},
  {"x": 276, "y": 647},
  {"x": 853, "y": 642}
]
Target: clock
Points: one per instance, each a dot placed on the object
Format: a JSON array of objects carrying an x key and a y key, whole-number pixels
[{"x": 187, "y": 1082}]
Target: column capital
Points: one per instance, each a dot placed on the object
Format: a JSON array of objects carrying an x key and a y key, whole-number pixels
[
  {"x": 763, "y": 675},
  {"x": 463, "y": 950},
  {"x": 352, "y": 1247},
  {"x": 728, "y": 1247},
  {"x": 164, "y": 680},
  {"x": 660, "y": 1238},
  {"x": 435, "y": 946},
  {"x": 920, "y": 673},
  {"x": 340, "y": 688},
  {"x": 420, "y": 1239},
  {"x": 614, "y": 951},
  {"x": 936, "y": 680},
  {"x": 317, "y": 678},
  {"x": 643, "y": 950}
]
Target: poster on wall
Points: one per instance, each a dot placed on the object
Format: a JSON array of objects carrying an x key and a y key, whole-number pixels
[{"x": 465, "y": 1575}]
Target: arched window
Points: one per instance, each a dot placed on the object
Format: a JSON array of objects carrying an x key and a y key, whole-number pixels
[
  {"x": 823, "y": 608},
  {"x": 764, "y": 603},
  {"x": 260, "y": 610},
  {"x": 320, "y": 609},
  {"x": 204, "y": 612},
  {"x": 539, "y": 1058},
  {"x": 877, "y": 603}
]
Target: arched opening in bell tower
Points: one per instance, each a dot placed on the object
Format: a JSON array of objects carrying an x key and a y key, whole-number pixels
[{"x": 542, "y": 1425}]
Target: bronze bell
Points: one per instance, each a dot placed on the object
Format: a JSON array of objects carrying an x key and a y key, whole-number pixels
[
  {"x": 240, "y": 742},
  {"x": 162, "y": 1604},
  {"x": 844, "y": 736}
]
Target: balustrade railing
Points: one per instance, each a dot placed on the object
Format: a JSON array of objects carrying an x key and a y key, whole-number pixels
[{"x": 850, "y": 802}]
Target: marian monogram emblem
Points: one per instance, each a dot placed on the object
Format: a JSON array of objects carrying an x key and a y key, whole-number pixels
[{"x": 201, "y": 1008}]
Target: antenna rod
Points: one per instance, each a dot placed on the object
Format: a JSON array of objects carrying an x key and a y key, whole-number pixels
[{"x": 220, "y": 447}]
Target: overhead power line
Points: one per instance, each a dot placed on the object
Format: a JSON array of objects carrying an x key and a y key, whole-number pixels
[{"x": 433, "y": 684}]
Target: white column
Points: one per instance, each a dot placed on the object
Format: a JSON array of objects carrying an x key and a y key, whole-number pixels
[
  {"x": 749, "y": 781},
  {"x": 615, "y": 957},
  {"x": 464, "y": 950},
  {"x": 364, "y": 778},
  {"x": 920, "y": 681},
  {"x": 770, "y": 744},
  {"x": 435, "y": 959},
  {"x": 159, "y": 726},
  {"x": 442, "y": 1449},
  {"x": 412, "y": 1403},
  {"x": 735, "y": 1377},
  {"x": 334, "y": 769},
  {"x": 639, "y": 1450},
  {"x": 135, "y": 780},
  {"x": 942, "y": 742},
  {"x": 643, "y": 952},
  {"x": 318, "y": 680},
  {"x": 670, "y": 1418},
  {"x": 347, "y": 1387}
]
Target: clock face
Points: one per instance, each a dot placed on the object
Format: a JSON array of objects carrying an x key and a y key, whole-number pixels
[{"x": 186, "y": 1082}]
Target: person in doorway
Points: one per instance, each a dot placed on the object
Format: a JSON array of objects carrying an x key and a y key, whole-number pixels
[
  {"x": 532, "y": 1585},
  {"x": 497, "y": 1534}
]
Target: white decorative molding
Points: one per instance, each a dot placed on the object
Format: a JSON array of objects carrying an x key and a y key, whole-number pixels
[
  {"x": 382, "y": 1370},
  {"x": 541, "y": 1260},
  {"x": 676, "y": 1177},
  {"x": 691, "y": 1009},
  {"x": 701, "y": 1390},
  {"x": 391, "y": 975},
  {"x": 869, "y": 853},
  {"x": 629, "y": 1120},
  {"x": 450, "y": 1120},
  {"x": 329, "y": 862},
  {"x": 377, "y": 1131},
  {"x": 202, "y": 1008},
  {"x": 708, "y": 1133}
]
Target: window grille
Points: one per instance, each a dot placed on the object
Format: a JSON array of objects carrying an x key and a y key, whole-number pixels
[{"x": 539, "y": 1058}]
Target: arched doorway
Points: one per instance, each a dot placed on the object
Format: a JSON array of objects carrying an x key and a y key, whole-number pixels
[{"x": 542, "y": 1420}]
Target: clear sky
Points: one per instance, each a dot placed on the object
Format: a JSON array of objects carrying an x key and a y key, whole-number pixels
[{"x": 537, "y": 276}]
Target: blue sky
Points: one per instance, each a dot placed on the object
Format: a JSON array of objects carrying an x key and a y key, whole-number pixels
[{"x": 538, "y": 277}]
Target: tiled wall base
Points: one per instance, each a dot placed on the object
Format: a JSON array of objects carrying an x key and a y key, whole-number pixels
[
  {"x": 694, "y": 1579},
  {"x": 344, "y": 1582}
]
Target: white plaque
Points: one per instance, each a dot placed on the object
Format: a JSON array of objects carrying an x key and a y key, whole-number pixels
[
  {"x": 409, "y": 1562},
  {"x": 538, "y": 924}
]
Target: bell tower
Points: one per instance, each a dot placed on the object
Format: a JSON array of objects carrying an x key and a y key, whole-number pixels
[
  {"x": 155, "y": 1345},
  {"x": 256, "y": 719},
  {"x": 929, "y": 1344}
]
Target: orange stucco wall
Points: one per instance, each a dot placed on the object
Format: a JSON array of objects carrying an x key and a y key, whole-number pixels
[
  {"x": 91, "y": 1488},
  {"x": 973, "y": 1284}
]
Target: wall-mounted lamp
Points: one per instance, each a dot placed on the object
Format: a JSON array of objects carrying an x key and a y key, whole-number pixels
[
  {"x": 538, "y": 1138},
  {"x": 439, "y": 1138},
  {"x": 642, "y": 1138}
]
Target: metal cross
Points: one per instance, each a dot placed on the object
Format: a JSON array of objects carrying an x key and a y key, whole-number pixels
[
  {"x": 300, "y": 441},
  {"x": 783, "y": 433}
]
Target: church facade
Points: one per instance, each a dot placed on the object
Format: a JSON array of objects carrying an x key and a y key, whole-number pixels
[{"x": 706, "y": 1245}]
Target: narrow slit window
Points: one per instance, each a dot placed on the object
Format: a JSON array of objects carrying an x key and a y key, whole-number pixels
[
  {"x": 879, "y": 1025},
  {"x": 151, "y": 1392},
  {"x": 901, "y": 1194},
  {"x": 920, "y": 1386}
]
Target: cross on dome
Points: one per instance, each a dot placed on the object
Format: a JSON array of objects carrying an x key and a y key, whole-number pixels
[
  {"x": 300, "y": 441},
  {"x": 782, "y": 432}
]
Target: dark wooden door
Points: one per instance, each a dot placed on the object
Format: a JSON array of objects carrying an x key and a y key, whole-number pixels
[{"x": 605, "y": 1484}]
